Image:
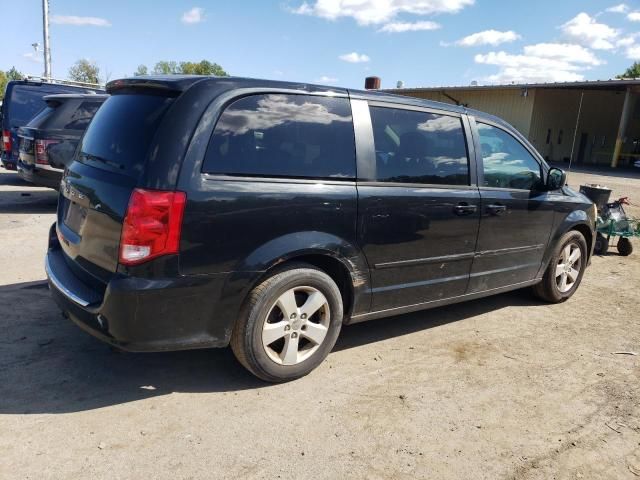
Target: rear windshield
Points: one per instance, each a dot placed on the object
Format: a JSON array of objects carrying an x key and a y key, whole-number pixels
[
  {"x": 71, "y": 115},
  {"x": 25, "y": 101},
  {"x": 119, "y": 135},
  {"x": 41, "y": 117}
]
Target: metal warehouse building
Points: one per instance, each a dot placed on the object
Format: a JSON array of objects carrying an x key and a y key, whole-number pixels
[{"x": 604, "y": 114}]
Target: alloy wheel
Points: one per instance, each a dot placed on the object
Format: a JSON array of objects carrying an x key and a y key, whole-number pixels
[
  {"x": 296, "y": 325},
  {"x": 568, "y": 268}
]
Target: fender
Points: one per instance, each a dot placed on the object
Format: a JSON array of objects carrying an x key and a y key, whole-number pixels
[
  {"x": 251, "y": 270},
  {"x": 575, "y": 218}
]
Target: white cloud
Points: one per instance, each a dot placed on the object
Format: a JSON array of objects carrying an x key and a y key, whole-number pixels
[
  {"x": 488, "y": 37},
  {"x": 633, "y": 52},
  {"x": 195, "y": 15},
  {"x": 634, "y": 17},
  {"x": 542, "y": 62},
  {"x": 586, "y": 31},
  {"x": 621, "y": 8},
  {"x": 400, "y": 27},
  {"x": 354, "y": 57},
  {"x": 375, "y": 12},
  {"x": 34, "y": 57},
  {"x": 80, "y": 21},
  {"x": 326, "y": 79}
]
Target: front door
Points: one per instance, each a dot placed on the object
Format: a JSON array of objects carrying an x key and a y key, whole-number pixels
[
  {"x": 516, "y": 218},
  {"x": 418, "y": 215}
]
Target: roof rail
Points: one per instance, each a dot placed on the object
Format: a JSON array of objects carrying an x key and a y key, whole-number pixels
[{"x": 63, "y": 82}]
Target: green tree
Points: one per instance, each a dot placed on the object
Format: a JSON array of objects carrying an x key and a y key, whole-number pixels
[
  {"x": 203, "y": 67},
  {"x": 142, "y": 70},
  {"x": 166, "y": 68},
  {"x": 85, "y": 71},
  {"x": 632, "y": 72},
  {"x": 6, "y": 77}
]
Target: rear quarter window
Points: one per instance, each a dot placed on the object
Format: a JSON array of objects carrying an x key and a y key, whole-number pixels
[
  {"x": 282, "y": 135},
  {"x": 121, "y": 131}
]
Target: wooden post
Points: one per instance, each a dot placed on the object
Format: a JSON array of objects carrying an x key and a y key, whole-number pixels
[{"x": 622, "y": 127}]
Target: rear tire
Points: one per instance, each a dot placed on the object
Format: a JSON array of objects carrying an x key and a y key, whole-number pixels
[
  {"x": 565, "y": 270},
  {"x": 602, "y": 245},
  {"x": 288, "y": 324},
  {"x": 625, "y": 247}
]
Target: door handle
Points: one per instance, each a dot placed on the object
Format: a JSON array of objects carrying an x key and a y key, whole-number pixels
[
  {"x": 464, "y": 208},
  {"x": 496, "y": 209}
]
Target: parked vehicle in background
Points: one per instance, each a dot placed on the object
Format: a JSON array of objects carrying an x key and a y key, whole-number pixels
[
  {"x": 23, "y": 99},
  {"x": 203, "y": 212},
  {"x": 49, "y": 140}
]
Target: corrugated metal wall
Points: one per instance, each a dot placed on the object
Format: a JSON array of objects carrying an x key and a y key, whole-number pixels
[
  {"x": 509, "y": 104},
  {"x": 554, "y": 116},
  {"x": 551, "y": 112}
]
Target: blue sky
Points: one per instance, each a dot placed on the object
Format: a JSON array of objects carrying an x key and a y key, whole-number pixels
[{"x": 339, "y": 42}]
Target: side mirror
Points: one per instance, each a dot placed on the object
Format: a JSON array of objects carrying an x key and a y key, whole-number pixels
[{"x": 556, "y": 179}]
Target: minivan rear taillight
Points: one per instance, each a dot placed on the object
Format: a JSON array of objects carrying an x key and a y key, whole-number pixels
[
  {"x": 152, "y": 225},
  {"x": 6, "y": 141},
  {"x": 41, "y": 146}
]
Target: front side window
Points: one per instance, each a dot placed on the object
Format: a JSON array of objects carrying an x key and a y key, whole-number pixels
[
  {"x": 282, "y": 135},
  {"x": 506, "y": 162},
  {"x": 419, "y": 147}
]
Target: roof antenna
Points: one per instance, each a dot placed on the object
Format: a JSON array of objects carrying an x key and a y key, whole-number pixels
[{"x": 575, "y": 132}]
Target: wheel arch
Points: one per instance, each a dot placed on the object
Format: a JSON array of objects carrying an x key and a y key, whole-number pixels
[{"x": 338, "y": 258}]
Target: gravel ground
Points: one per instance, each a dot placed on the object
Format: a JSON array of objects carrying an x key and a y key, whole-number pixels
[{"x": 499, "y": 388}]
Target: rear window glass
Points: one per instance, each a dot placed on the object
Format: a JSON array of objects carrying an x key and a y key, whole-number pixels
[
  {"x": 80, "y": 116},
  {"x": 119, "y": 135},
  {"x": 276, "y": 135},
  {"x": 41, "y": 117},
  {"x": 24, "y": 103}
]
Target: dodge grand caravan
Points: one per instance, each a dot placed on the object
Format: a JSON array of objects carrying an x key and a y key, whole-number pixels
[{"x": 203, "y": 212}]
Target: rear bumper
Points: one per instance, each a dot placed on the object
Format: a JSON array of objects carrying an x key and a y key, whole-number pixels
[
  {"x": 49, "y": 178},
  {"x": 137, "y": 314}
]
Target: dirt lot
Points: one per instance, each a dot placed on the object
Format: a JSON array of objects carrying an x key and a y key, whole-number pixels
[{"x": 504, "y": 387}]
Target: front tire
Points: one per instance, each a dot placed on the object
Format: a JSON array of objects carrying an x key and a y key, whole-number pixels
[
  {"x": 565, "y": 270},
  {"x": 288, "y": 324}
]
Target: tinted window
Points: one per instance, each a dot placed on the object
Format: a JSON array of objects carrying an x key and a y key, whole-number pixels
[
  {"x": 121, "y": 131},
  {"x": 284, "y": 136},
  {"x": 81, "y": 116},
  {"x": 25, "y": 102},
  {"x": 41, "y": 117},
  {"x": 419, "y": 147},
  {"x": 506, "y": 162}
]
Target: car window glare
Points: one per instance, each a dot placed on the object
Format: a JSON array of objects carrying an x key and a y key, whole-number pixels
[
  {"x": 506, "y": 162},
  {"x": 419, "y": 147},
  {"x": 278, "y": 135}
]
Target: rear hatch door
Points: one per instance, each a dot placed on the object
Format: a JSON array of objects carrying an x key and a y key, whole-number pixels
[{"x": 97, "y": 185}]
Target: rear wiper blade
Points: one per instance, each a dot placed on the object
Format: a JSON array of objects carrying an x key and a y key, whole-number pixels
[{"x": 96, "y": 158}]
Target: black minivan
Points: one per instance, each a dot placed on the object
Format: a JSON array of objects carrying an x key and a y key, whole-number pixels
[{"x": 203, "y": 212}]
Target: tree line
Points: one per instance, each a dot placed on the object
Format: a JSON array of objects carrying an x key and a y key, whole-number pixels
[{"x": 88, "y": 72}]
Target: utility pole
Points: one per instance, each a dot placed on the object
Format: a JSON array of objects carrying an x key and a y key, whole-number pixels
[{"x": 45, "y": 33}]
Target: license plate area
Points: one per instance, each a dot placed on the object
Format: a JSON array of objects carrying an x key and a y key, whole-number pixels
[{"x": 74, "y": 216}]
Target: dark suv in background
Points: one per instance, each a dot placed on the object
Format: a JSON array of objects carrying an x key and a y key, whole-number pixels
[
  {"x": 23, "y": 99},
  {"x": 49, "y": 140},
  {"x": 203, "y": 212}
]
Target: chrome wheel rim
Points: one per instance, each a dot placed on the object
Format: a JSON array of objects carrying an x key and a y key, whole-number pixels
[
  {"x": 568, "y": 267},
  {"x": 296, "y": 325}
]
